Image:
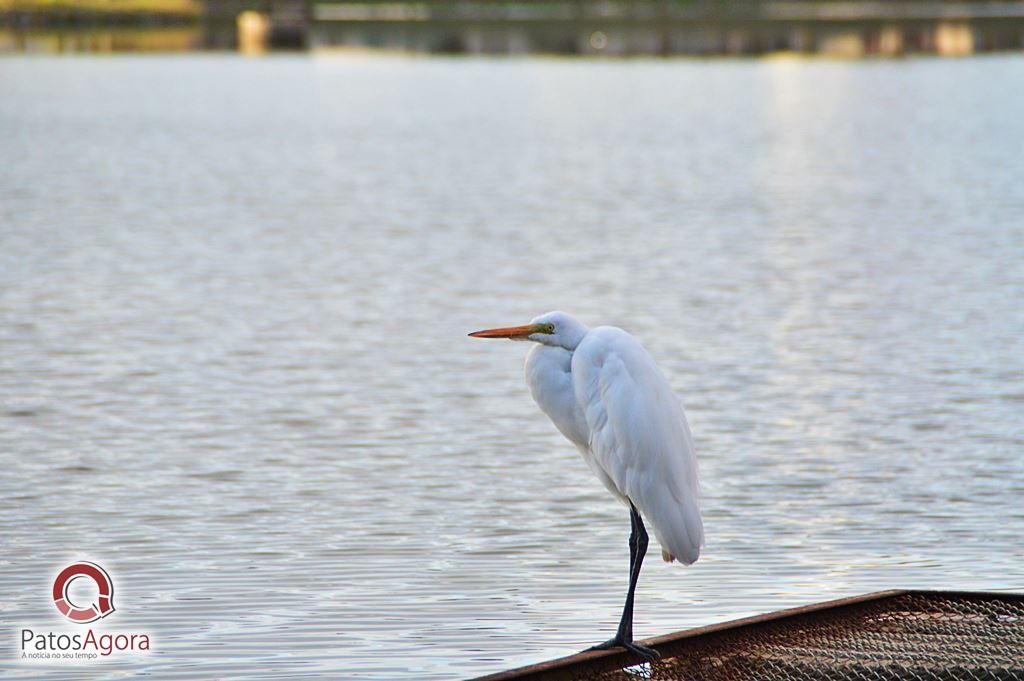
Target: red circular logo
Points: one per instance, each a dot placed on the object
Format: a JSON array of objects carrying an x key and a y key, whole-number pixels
[{"x": 91, "y": 613}]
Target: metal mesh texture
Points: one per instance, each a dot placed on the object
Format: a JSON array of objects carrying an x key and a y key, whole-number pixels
[{"x": 910, "y": 636}]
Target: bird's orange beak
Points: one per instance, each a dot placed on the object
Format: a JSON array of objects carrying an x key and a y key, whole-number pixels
[{"x": 523, "y": 331}]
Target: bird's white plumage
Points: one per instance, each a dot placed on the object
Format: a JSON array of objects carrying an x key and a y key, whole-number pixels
[{"x": 603, "y": 392}]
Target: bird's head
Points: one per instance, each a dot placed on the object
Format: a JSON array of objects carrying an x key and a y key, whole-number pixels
[{"x": 554, "y": 328}]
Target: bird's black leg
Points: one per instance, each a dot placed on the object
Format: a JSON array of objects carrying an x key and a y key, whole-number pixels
[{"x": 637, "y": 550}]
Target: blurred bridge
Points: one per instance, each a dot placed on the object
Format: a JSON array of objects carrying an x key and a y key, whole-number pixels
[{"x": 630, "y": 27}]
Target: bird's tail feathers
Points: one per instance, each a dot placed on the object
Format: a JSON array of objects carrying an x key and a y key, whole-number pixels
[{"x": 679, "y": 529}]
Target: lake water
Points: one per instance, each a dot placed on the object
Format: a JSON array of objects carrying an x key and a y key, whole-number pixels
[{"x": 234, "y": 371}]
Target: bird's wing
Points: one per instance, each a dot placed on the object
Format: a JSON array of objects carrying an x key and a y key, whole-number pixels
[{"x": 639, "y": 436}]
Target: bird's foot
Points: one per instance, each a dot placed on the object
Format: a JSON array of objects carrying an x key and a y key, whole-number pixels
[{"x": 648, "y": 654}]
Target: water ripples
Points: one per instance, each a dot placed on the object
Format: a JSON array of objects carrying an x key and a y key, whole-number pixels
[{"x": 234, "y": 297}]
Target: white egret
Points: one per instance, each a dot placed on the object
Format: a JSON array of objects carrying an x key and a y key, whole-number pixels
[{"x": 605, "y": 394}]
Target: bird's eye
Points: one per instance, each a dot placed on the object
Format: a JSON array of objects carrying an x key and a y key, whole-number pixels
[{"x": 551, "y": 328}]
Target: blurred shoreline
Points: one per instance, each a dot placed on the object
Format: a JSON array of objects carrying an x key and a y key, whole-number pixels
[{"x": 614, "y": 27}]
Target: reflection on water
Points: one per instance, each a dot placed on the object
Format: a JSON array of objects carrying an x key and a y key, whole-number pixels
[{"x": 234, "y": 298}]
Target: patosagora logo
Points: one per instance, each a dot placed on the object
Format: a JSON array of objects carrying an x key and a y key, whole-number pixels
[
  {"x": 104, "y": 605},
  {"x": 76, "y": 645}
]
